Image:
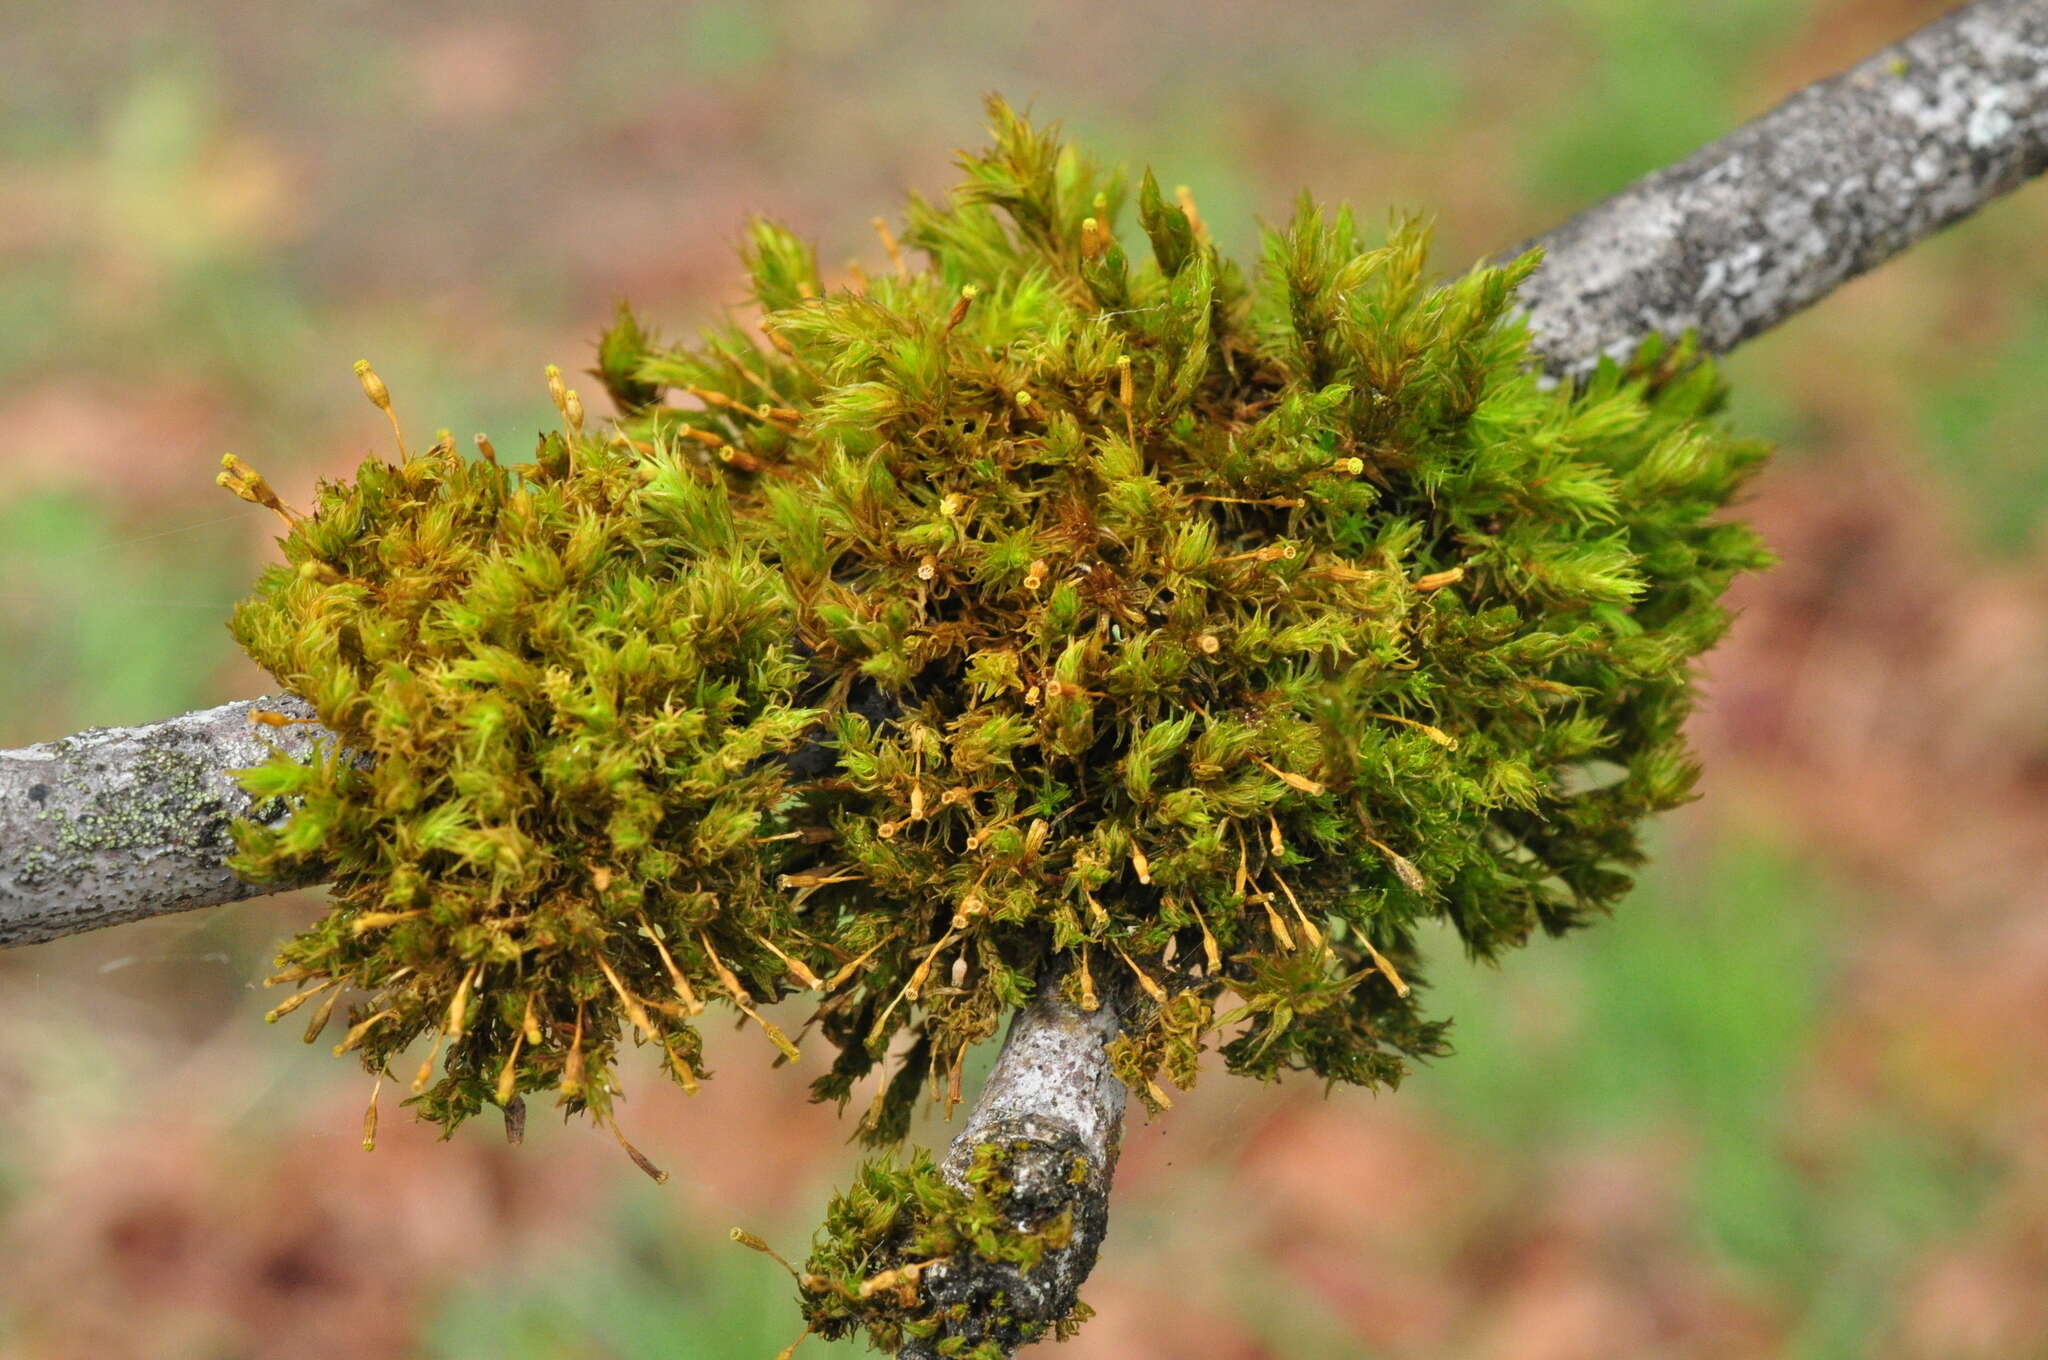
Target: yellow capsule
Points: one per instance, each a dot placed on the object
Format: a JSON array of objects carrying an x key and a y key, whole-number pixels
[
  {"x": 1437, "y": 580},
  {"x": 508, "y": 1075},
  {"x": 370, "y": 1118},
  {"x": 373, "y": 386},
  {"x": 380, "y": 397}
]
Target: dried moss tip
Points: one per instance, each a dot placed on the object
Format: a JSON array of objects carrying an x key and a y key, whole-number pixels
[{"x": 1241, "y": 619}]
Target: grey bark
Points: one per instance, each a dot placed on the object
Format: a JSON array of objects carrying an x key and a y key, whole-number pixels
[
  {"x": 118, "y": 823},
  {"x": 1777, "y": 214},
  {"x": 132, "y": 822}
]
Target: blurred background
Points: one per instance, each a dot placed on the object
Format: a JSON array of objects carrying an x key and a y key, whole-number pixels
[{"x": 1791, "y": 1101}]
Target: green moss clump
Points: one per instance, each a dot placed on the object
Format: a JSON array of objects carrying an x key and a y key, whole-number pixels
[
  {"x": 1073, "y": 599},
  {"x": 899, "y": 1221}
]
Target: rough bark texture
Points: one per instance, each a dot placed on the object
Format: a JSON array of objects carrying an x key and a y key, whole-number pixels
[
  {"x": 113, "y": 825},
  {"x": 118, "y": 823},
  {"x": 1835, "y": 180},
  {"x": 1052, "y": 1098}
]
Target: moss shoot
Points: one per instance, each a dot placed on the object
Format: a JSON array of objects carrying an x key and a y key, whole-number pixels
[{"x": 1057, "y": 597}]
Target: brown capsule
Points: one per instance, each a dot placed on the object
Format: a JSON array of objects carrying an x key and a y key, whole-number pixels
[
  {"x": 1091, "y": 238},
  {"x": 318, "y": 1024},
  {"x": 654, "y": 1173},
  {"x": 968, "y": 292},
  {"x": 777, "y": 338}
]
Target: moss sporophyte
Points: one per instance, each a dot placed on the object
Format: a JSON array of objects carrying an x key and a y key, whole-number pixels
[{"x": 1074, "y": 604}]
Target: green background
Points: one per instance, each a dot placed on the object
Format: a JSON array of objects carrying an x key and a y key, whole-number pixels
[{"x": 1792, "y": 1100}]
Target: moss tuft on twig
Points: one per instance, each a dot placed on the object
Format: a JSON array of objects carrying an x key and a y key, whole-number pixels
[{"x": 1075, "y": 597}]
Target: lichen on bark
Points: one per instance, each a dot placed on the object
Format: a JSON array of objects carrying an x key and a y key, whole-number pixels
[{"x": 110, "y": 824}]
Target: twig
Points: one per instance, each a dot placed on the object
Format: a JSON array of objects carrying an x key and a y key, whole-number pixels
[{"x": 1779, "y": 213}]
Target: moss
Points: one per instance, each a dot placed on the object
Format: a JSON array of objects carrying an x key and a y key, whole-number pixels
[
  {"x": 1074, "y": 595},
  {"x": 906, "y": 1257}
]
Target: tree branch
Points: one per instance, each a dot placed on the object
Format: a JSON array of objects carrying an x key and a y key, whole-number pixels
[
  {"x": 1053, "y": 1098},
  {"x": 1782, "y": 211},
  {"x": 116, "y": 824}
]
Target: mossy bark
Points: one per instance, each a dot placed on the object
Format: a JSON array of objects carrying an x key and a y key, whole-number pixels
[
  {"x": 1052, "y": 1099},
  {"x": 119, "y": 823}
]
